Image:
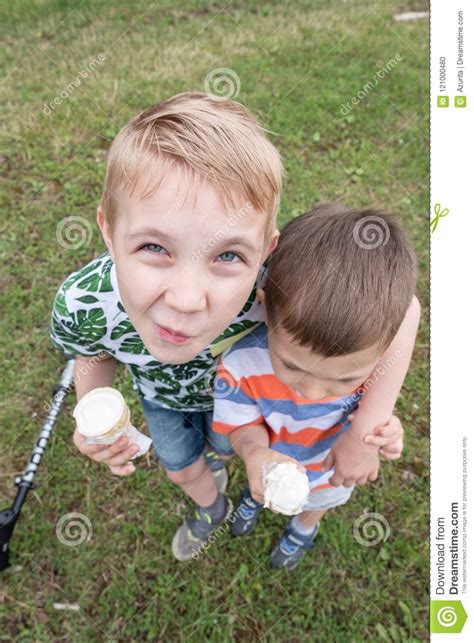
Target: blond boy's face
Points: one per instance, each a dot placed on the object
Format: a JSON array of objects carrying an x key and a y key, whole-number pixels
[
  {"x": 185, "y": 263},
  {"x": 313, "y": 376}
]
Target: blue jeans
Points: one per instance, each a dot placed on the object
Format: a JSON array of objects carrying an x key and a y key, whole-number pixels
[{"x": 179, "y": 437}]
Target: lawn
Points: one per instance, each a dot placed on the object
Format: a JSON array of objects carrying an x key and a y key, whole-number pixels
[{"x": 297, "y": 64}]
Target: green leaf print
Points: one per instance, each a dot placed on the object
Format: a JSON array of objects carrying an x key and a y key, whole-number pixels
[
  {"x": 96, "y": 282},
  {"x": 199, "y": 364},
  {"x": 106, "y": 284},
  {"x": 205, "y": 401},
  {"x": 235, "y": 329},
  {"x": 250, "y": 302},
  {"x": 157, "y": 375},
  {"x": 60, "y": 305},
  {"x": 65, "y": 331},
  {"x": 81, "y": 273},
  {"x": 91, "y": 282},
  {"x": 88, "y": 299},
  {"x": 122, "y": 329},
  {"x": 133, "y": 345},
  {"x": 92, "y": 323}
]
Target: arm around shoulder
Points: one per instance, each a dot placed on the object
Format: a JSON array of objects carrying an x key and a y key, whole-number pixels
[{"x": 385, "y": 382}]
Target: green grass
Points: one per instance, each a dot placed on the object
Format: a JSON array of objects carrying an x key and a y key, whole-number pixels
[{"x": 297, "y": 63}]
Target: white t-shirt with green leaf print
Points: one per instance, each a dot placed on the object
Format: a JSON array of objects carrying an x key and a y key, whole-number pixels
[{"x": 88, "y": 318}]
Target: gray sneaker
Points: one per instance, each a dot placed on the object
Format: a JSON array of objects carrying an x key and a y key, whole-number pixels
[
  {"x": 291, "y": 547},
  {"x": 195, "y": 532}
]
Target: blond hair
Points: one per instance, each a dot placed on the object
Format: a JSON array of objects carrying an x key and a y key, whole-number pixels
[{"x": 219, "y": 140}]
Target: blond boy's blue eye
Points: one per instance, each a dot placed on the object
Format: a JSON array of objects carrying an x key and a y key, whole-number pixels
[
  {"x": 155, "y": 245},
  {"x": 228, "y": 257}
]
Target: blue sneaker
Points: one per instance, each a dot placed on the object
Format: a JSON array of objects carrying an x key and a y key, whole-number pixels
[
  {"x": 245, "y": 516},
  {"x": 291, "y": 547}
]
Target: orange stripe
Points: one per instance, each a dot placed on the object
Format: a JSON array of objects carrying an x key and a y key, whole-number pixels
[
  {"x": 308, "y": 436},
  {"x": 314, "y": 466},
  {"x": 221, "y": 427},
  {"x": 323, "y": 486},
  {"x": 271, "y": 388}
]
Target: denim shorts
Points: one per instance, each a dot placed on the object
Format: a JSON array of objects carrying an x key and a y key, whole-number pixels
[
  {"x": 328, "y": 498},
  {"x": 179, "y": 437}
]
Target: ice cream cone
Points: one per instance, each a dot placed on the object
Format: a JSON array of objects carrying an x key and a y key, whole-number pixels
[
  {"x": 286, "y": 489},
  {"x": 102, "y": 416}
]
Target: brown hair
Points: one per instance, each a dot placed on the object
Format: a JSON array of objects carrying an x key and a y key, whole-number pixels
[
  {"x": 340, "y": 279},
  {"x": 216, "y": 139}
]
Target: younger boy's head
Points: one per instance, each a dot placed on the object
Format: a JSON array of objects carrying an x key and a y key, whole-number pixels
[
  {"x": 339, "y": 285},
  {"x": 188, "y": 213}
]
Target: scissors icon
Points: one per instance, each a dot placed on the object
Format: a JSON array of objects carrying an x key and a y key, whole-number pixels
[{"x": 439, "y": 214}]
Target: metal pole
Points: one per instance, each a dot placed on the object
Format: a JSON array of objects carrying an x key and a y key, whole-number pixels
[{"x": 8, "y": 517}]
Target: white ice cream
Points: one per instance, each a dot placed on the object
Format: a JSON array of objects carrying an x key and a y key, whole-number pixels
[
  {"x": 102, "y": 416},
  {"x": 286, "y": 489},
  {"x": 99, "y": 411}
]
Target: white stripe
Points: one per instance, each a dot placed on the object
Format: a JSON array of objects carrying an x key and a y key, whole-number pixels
[
  {"x": 323, "y": 479},
  {"x": 246, "y": 362},
  {"x": 279, "y": 420},
  {"x": 229, "y": 412}
]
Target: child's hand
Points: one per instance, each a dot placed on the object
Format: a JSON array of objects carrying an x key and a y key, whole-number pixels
[
  {"x": 389, "y": 438},
  {"x": 389, "y": 441},
  {"x": 255, "y": 458},
  {"x": 116, "y": 456},
  {"x": 353, "y": 460}
]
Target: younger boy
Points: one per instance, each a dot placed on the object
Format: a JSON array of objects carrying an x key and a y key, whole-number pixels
[{"x": 287, "y": 391}]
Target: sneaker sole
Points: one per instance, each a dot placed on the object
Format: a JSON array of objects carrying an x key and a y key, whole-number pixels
[{"x": 176, "y": 553}]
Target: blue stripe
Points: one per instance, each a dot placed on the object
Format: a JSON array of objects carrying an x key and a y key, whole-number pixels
[
  {"x": 316, "y": 475},
  {"x": 307, "y": 411},
  {"x": 300, "y": 452},
  {"x": 223, "y": 391}
]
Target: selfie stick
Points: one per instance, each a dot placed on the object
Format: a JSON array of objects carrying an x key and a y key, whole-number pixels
[{"x": 8, "y": 517}]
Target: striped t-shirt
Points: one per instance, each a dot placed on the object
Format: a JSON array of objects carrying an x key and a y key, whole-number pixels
[{"x": 247, "y": 391}]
